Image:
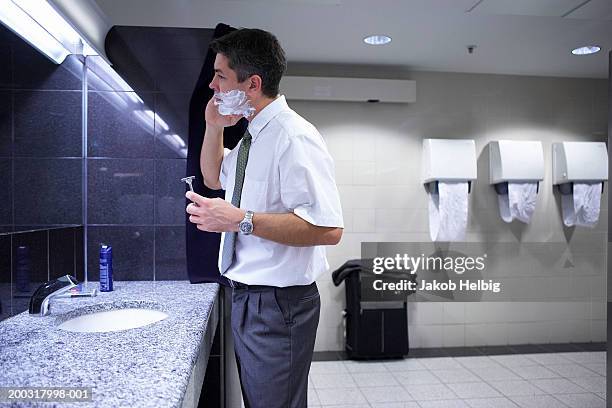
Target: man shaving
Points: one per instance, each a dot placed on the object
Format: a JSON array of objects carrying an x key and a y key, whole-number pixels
[{"x": 281, "y": 208}]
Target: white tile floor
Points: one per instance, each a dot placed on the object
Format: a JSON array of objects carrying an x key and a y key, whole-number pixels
[{"x": 545, "y": 380}]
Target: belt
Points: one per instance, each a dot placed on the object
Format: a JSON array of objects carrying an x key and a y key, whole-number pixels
[{"x": 239, "y": 285}]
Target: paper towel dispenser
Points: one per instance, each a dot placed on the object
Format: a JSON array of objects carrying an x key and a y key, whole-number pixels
[
  {"x": 448, "y": 160},
  {"x": 578, "y": 162},
  {"x": 515, "y": 161}
]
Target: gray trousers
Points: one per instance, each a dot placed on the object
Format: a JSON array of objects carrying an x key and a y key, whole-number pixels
[{"x": 274, "y": 334}]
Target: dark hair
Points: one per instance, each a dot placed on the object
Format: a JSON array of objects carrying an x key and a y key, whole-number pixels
[{"x": 251, "y": 51}]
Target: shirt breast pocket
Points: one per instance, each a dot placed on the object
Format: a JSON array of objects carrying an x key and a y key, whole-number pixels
[{"x": 254, "y": 195}]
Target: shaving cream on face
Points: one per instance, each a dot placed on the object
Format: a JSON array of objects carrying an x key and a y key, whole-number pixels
[{"x": 233, "y": 102}]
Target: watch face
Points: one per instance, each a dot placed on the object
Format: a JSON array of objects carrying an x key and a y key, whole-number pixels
[{"x": 246, "y": 227}]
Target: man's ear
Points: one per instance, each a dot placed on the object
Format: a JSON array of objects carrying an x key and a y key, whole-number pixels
[{"x": 255, "y": 83}]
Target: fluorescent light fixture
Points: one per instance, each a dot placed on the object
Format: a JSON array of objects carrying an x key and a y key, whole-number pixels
[
  {"x": 38, "y": 23},
  {"x": 176, "y": 143},
  {"x": 150, "y": 114},
  {"x": 22, "y": 24},
  {"x": 377, "y": 40},
  {"x": 157, "y": 119},
  {"x": 105, "y": 78},
  {"x": 144, "y": 120},
  {"x": 175, "y": 140},
  {"x": 112, "y": 80},
  {"x": 46, "y": 16},
  {"x": 134, "y": 98},
  {"x": 586, "y": 50},
  {"x": 162, "y": 123},
  {"x": 178, "y": 140}
]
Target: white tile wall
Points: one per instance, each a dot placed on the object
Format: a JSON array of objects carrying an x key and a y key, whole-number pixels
[{"x": 377, "y": 153}]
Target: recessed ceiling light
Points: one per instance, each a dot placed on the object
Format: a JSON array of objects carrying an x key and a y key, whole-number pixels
[
  {"x": 589, "y": 49},
  {"x": 377, "y": 40}
]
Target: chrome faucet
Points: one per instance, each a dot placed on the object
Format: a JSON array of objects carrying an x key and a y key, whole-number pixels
[{"x": 39, "y": 302}]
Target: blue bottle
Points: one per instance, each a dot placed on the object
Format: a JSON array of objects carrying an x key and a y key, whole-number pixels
[
  {"x": 106, "y": 268},
  {"x": 22, "y": 269}
]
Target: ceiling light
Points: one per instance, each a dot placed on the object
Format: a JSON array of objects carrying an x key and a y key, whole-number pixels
[
  {"x": 587, "y": 50},
  {"x": 37, "y": 22},
  {"x": 377, "y": 40}
]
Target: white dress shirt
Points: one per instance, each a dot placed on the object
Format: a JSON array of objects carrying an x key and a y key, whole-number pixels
[{"x": 289, "y": 170}]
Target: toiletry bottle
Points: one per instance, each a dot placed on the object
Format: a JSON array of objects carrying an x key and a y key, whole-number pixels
[
  {"x": 106, "y": 268},
  {"x": 22, "y": 269}
]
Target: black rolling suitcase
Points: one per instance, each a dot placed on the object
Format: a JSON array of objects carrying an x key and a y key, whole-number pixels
[{"x": 374, "y": 328}]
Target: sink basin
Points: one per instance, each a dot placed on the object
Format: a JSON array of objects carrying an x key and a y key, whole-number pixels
[{"x": 113, "y": 320}]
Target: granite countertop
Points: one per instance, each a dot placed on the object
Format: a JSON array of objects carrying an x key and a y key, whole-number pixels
[{"x": 148, "y": 366}]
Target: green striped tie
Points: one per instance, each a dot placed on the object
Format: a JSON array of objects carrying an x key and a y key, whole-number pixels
[{"x": 229, "y": 244}]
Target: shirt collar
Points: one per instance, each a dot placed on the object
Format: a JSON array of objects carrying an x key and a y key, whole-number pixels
[{"x": 266, "y": 115}]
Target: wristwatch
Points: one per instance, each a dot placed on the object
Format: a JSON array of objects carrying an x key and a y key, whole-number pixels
[{"x": 246, "y": 225}]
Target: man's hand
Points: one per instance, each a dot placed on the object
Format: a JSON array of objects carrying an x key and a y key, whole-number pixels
[
  {"x": 213, "y": 214},
  {"x": 215, "y": 119}
]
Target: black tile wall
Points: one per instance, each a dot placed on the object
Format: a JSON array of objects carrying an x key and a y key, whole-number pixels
[
  {"x": 114, "y": 131},
  {"x": 40, "y": 122},
  {"x": 135, "y": 200},
  {"x": 132, "y": 251},
  {"x": 6, "y": 194},
  {"x": 173, "y": 109},
  {"x": 62, "y": 252},
  {"x": 5, "y": 276},
  {"x": 5, "y": 258},
  {"x": 32, "y": 70},
  {"x": 6, "y": 306},
  {"x": 6, "y": 72},
  {"x": 28, "y": 259},
  {"x": 170, "y": 192},
  {"x": 120, "y": 191},
  {"x": 29, "y": 267},
  {"x": 40, "y": 125},
  {"x": 79, "y": 255},
  {"x": 48, "y": 124},
  {"x": 170, "y": 253},
  {"x": 6, "y": 124},
  {"x": 47, "y": 191},
  {"x": 138, "y": 206}
]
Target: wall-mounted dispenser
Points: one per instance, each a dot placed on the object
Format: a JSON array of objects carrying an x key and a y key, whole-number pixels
[
  {"x": 449, "y": 167},
  {"x": 579, "y": 172},
  {"x": 515, "y": 169}
]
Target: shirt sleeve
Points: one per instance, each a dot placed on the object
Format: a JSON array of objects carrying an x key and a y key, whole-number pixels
[
  {"x": 224, "y": 168},
  {"x": 307, "y": 182}
]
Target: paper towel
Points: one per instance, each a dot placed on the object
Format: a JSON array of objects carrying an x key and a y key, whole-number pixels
[
  {"x": 582, "y": 207},
  {"x": 448, "y": 211},
  {"x": 519, "y": 203}
]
